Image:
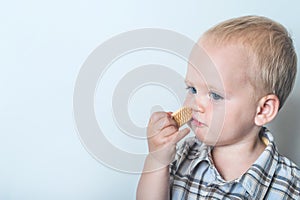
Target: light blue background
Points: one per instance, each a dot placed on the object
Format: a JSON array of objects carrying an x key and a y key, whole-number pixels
[{"x": 43, "y": 45}]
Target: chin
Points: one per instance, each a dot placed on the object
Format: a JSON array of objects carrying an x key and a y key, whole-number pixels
[{"x": 205, "y": 136}]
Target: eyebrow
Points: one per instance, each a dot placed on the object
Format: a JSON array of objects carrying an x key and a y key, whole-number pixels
[{"x": 188, "y": 82}]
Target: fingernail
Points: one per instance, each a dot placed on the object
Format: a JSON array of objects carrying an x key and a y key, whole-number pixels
[{"x": 169, "y": 114}]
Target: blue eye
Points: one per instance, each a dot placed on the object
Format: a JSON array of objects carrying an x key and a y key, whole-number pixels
[
  {"x": 215, "y": 96},
  {"x": 192, "y": 90}
]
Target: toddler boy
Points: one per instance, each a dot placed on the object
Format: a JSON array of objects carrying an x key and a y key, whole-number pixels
[{"x": 233, "y": 155}]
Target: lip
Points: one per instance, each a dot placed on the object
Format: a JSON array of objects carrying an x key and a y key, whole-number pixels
[{"x": 197, "y": 123}]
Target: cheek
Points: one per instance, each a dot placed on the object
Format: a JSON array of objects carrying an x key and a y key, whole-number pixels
[
  {"x": 217, "y": 114},
  {"x": 219, "y": 108},
  {"x": 237, "y": 113}
]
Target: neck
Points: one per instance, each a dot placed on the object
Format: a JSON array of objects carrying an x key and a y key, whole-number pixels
[{"x": 234, "y": 160}]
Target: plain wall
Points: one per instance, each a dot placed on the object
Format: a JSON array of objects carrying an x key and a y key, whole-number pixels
[{"x": 43, "y": 45}]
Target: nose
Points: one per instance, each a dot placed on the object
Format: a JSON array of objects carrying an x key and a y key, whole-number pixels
[{"x": 196, "y": 102}]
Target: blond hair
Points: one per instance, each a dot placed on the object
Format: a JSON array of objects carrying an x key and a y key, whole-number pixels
[{"x": 270, "y": 47}]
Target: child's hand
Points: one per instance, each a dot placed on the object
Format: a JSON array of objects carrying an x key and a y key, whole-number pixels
[{"x": 163, "y": 134}]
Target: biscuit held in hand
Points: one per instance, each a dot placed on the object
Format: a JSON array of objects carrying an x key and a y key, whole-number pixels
[
  {"x": 162, "y": 134},
  {"x": 182, "y": 116}
]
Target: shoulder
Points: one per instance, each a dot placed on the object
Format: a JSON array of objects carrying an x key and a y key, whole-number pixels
[
  {"x": 287, "y": 168},
  {"x": 284, "y": 166},
  {"x": 278, "y": 176},
  {"x": 287, "y": 175}
]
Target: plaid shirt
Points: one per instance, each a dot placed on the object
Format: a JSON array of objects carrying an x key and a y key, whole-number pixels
[{"x": 193, "y": 175}]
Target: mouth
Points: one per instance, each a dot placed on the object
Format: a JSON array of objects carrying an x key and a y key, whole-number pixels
[{"x": 197, "y": 123}]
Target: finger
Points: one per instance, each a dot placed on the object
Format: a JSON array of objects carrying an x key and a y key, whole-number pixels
[
  {"x": 169, "y": 130},
  {"x": 165, "y": 132},
  {"x": 181, "y": 134},
  {"x": 176, "y": 137},
  {"x": 156, "y": 116},
  {"x": 164, "y": 123}
]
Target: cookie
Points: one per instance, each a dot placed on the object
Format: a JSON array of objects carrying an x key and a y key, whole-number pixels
[{"x": 182, "y": 116}]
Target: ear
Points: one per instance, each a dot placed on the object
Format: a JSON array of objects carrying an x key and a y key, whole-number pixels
[{"x": 267, "y": 109}]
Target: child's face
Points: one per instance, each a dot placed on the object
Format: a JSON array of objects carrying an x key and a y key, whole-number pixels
[{"x": 219, "y": 92}]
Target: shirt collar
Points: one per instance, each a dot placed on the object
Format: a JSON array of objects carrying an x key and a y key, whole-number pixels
[
  {"x": 258, "y": 178},
  {"x": 194, "y": 150}
]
